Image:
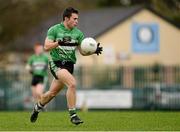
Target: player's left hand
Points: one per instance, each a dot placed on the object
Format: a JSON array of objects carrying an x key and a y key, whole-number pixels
[{"x": 99, "y": 49}]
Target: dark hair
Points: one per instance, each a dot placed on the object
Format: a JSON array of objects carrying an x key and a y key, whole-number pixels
[{"x": 68, "y": 12}]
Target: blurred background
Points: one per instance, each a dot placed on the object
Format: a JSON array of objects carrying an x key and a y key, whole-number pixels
[{"x": 139, "y": 68}]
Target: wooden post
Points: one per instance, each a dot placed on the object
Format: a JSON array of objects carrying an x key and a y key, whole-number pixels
[
  {"x": 128, "y": 77},
  {"x": 169, "y": 75}
]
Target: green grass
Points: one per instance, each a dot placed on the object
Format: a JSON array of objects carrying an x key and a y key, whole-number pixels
[{"x": 93, "y": 121}]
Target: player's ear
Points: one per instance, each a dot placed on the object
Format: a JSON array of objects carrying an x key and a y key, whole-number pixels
[{"x": 66, "y": 18}]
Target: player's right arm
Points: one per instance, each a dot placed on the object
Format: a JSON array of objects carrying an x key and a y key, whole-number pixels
[
  {"x": 50, "y": 41},
  {"x": 28, "y": 67},
  {"x": 50, "y": 44}
]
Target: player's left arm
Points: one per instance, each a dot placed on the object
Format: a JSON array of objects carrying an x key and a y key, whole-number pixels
[{"x": 28, "y": 65}]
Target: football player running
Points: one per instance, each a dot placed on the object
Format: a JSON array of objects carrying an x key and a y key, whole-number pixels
[{"x": 62, "y": 40}]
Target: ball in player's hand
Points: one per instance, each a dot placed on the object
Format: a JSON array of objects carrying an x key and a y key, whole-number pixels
[{"x": 88, "y": 45}]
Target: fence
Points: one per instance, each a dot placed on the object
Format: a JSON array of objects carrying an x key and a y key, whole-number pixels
[
  {"x": 152, "y": 87},
  {"x": 111, "y": 77}
]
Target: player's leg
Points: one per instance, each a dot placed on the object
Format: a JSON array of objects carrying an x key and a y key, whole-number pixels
[
  {"x": 68, "y": 79},
  {"x": 37, "y": 87},
  {"x": 70, "y": 82},
  {"x": 39, "y": 91},
  {"x": 55, "y": 87},
  {"x": 33, "y": 89}
]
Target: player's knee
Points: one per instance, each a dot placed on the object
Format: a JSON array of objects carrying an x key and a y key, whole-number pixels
[{"x": 72, "y": 85}]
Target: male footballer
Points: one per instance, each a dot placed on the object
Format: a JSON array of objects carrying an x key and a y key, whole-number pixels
[
  {"x": 37, "y": 65},
  {"x": 62, "y": 40}
]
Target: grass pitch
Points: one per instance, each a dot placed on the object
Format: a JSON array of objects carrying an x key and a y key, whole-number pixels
[{"x": 93, "y": 121}]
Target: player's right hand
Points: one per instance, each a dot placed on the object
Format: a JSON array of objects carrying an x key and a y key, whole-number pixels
[
  {"x": 60, "y": 42},
  {"x": 65, "y": 41}
]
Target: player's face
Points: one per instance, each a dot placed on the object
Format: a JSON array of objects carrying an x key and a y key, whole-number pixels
[
  {"x": 72, "y": 21},
  {"x": 38, "y": 49}
]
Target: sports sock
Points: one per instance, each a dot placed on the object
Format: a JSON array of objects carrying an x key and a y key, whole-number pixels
[
  {"x": 38, "y": 107},
  {"x": 72, "y": 112}
]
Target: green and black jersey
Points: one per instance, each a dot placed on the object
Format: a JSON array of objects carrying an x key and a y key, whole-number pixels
[
  {"x": 64, "y": 53},
  {"x": 39, "y": 64}
]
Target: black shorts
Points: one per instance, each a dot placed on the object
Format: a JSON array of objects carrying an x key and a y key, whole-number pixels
[
  {"x": 36, "y": 79},
  {"x": 55, "y": 65}
]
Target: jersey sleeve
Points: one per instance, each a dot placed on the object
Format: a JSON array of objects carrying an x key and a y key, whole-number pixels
[
  {"x": 81, "y": 37},
  {"x": 51, "y": 34}
]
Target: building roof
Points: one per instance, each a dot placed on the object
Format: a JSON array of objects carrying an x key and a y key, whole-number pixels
[
  {"x": 93, "y": 23},
  {"x": 96, "y": 22}
]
